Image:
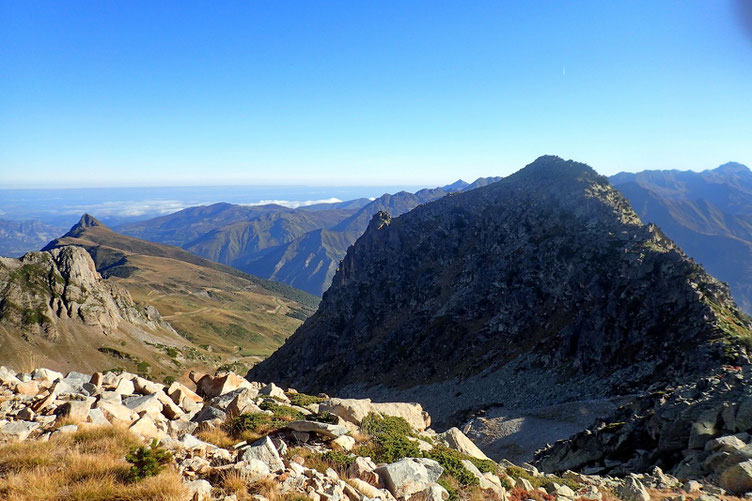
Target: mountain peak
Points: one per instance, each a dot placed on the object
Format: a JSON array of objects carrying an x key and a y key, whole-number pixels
[
  {"x": 87, "y": 221},
  {"x": 555, "y": 168},
  {"x": 732, "y": 168}
]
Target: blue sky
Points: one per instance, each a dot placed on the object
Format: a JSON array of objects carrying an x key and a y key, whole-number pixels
[{"x": 355, "y": 93}]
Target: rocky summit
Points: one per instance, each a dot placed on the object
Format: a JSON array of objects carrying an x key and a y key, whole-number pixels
[
  {"x": 221, "y": 437},
  {"x": 542, "y": 288}
]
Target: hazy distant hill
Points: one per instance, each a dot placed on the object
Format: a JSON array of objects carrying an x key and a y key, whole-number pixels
[
  {"x": 208, "y": 303},
  {"x": 300, "y": 247},
  {"x": 709, "y": 214},
  {"x": 20, "y": 237}
]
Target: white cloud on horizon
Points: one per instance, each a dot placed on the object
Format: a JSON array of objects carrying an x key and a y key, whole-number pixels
[
  {"x": 140, "y": 208},
  {"x": 294, "y": 204}
]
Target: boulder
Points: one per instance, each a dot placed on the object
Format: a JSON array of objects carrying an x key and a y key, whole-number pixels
[
  {"x": 199, "y": 490},
  {"x": 263, "y": 450},
  {"x": 743, "y": 419},
  {"x": 367, "y": 489},
  {"x": 409, "y": 476},
  {"x": 147, "y": 428},
  {"x": 455, "y": 439},
  {"x": 179, "y": 393},
  {"x": 728, "y": 443},
  {"x": 243, "y": 403},
  {"x": 413, "y": 413},
  {"x": 8, "y": 377},
  {"x": 632, "y": 489},
  {"x": 210, "y": 415},
  {"x": 27, "y": 388},
  {"x": 125, "y": 387},
  {"x": 145, "y": 387},
  {"x": 703, "y": 429},
  {"x": 363, "y": 468},
  {"x": 346, "y": 442},
  {"x": 16, "y": 431},
  {"x": 144, "y": 403},
  {"x": 96, "y": 416},
  {"x": 274, "y": 391},
  {"x": 77, "y": 380},
  {"x": 116, "y": 413},
  {"x": 322, "y": 429},
  {"x": 46, "y": 375},
  {"x": 354, "y": 410},
  {"x": 212, "y": 386},
  {"x": 738, "y": 478},
  {"x": 77, "y": 410}
]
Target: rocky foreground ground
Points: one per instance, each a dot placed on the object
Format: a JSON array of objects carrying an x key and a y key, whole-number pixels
[{"x": 67, "y": 437}]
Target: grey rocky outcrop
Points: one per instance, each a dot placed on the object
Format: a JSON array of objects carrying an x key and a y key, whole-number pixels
[{"x": 42, "y": 287}]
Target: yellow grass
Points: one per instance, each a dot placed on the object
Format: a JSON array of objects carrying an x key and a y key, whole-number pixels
[
  {"x": 217, "y": 436},
  {"x": 86, "y": 465}
]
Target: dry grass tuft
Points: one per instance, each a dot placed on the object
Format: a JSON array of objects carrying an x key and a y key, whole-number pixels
[
  {"x": 233, "y": 482},
  {"x": 217, "y": 436},
  {"x": 86, "y": 465}
]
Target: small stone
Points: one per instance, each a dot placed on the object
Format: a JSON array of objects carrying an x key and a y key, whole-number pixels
[{"x": 200, "y": 490}]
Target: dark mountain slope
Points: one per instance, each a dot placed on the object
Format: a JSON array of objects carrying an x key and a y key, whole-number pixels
[
  {"x": 709, "y": 214},
  {"x": 541, "y": 288},
  {"x": 309, "y": 262}
]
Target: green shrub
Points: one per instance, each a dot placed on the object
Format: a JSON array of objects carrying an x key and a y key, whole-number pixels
[
  {"x": 341, "y": 460},
  {"x": 323, "y": 417},
  {"x": 391, "y": 439},
  {"x": 451, "y": 460},
  {"x": 147, "y": 461},
  {"x": 516, "y": 472},
  {"x": 255, "y": 422},
  {"x": 301, "y": 399},
  {"x": 283, "y": 412}
]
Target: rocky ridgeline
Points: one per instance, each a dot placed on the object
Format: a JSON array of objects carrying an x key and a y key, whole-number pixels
[
  {"x": 42, "y": 288},
  {"x": 699, "y": 430},
  {"x": 44, "y": 404}
]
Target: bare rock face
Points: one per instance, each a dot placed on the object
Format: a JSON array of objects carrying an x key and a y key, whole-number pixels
[
  {"x": 42, "y": 287},
  {"x": 542, "y": 288}
]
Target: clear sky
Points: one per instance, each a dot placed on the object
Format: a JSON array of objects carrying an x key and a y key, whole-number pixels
[{"x": 108, "y": 93}]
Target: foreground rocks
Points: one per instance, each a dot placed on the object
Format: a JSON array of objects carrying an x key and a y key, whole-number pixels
[
  {"x": 313, "y": 447},
  {"x": 694, "y": 431}
]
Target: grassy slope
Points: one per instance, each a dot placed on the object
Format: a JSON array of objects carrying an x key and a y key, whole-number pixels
[{"x": 220, "y": 311}]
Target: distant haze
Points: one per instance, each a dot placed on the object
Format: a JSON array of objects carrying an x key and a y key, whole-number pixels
[{"x": 63, "y": 207}]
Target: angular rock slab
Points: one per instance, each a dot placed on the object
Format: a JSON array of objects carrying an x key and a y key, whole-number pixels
[
  {"x": 263, "y": 450},
  {"x": 410, "y": 475}
]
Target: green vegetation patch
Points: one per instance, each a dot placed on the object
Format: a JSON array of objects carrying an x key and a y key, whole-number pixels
[
  {"x": 283, "y": 412},
  {"x": 392, "y": 439},
  {"x": 301, "y": 399},
  {"x": 517, "y": 473}
]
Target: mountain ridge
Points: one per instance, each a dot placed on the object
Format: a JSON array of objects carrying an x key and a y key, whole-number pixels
[{"x": 528, "y": 272}]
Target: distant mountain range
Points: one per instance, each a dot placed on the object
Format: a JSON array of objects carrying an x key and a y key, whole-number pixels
[
  {"x": 301, "y": 247},
  {"x": 709, "y": 214},
  {"x": 19, "y": 237}
]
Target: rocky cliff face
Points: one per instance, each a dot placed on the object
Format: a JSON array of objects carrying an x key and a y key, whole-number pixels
[
  {"x": 42, "y": 287},
  {"x": 544, "y": 287}
]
